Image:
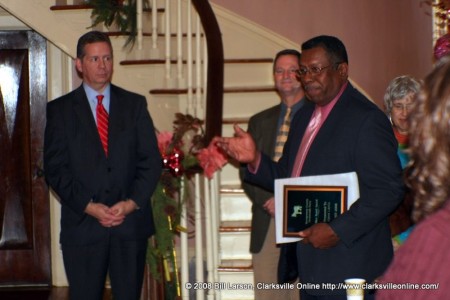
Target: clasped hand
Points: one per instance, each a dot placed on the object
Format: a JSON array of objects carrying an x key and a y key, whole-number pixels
[{"x": 111, "y": 216}]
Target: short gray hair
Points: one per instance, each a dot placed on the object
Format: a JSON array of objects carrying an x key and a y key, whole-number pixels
[{"x": 398, "y": 88}]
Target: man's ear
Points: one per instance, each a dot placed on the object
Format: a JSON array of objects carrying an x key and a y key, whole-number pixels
[
  {"x": 78, "y": 67},
  {"x": 343, "y": 70}
]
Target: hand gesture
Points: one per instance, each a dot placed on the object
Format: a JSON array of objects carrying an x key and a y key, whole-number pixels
[{"x": 240, "y": 147}]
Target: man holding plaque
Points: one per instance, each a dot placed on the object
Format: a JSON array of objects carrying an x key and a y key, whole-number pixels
[{"x": 337, "y": 131}]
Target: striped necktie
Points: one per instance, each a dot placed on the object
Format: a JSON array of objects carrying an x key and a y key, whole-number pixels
[
  {"x": 102, "y": 123},
  {"x": 282, "y": 135}
]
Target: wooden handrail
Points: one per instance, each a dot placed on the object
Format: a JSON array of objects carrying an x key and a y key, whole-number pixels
[{"x": 215, "y": 72}]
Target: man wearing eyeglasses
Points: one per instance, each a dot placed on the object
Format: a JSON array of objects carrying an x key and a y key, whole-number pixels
[{"x": 337, "y": 131}]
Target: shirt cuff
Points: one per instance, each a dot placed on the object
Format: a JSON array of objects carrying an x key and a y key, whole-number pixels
[{"x": 254, "y": 169}]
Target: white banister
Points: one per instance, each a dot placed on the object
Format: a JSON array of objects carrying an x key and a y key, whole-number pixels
[
  {"x": 154, "y": 52},
  {"x": 184, "y": 42},
  {"x": 168, "y": 44},
  {"x": 184, "y": 246},
  {"x": 198, "y": 239},
  {"x": 139, "y": 24},
  {"x": 205, "y": 78},
  {"x": 190, "y": 106},
  {"x": 215, "y": 225},
  {"x": 180, "y": 82},
  {"x": 209, "y": 240},
  {"x": 198, "y": 66}
]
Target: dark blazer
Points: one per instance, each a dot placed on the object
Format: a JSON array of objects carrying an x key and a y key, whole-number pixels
[
  {"x": 356, "y": 136},
  {"x": 79, "y": 172},
  {"x": 263, "y": 128}
]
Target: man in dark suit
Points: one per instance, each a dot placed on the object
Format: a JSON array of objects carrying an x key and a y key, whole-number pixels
[
  {"x": 337, "y": 131},
  {"x": 104, "y": 185},
  {"x": 264, "y": 127}
]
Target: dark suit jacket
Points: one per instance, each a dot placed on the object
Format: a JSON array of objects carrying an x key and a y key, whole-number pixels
[
  {"x": 78, "y": 170},
  {"x": 263, "y": 128},
  {"x": 356, "y": 136}
]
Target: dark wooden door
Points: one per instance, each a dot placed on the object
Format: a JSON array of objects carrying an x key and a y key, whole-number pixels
[{"x": 24, "y": 198}]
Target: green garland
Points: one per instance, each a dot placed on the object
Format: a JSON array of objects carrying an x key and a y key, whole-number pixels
[
  {"x": 118, "y": 12},
  {"x": 168, "y": 200},
  {"x": 161, "y": 256}
]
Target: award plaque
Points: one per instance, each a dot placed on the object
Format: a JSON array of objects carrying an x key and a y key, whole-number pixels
[{"x": 307, "y": 205}]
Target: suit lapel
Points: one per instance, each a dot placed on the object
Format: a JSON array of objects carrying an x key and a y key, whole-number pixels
[
  {"x": 83, "y": 111},
  {"x": 335, "y": 117},
  {"x": 84, "y": 115},
  {"x": 116, "y": 122},
  {"x": 298, "y": 127},
  {"x": 271, "y": 130},
  {"x": 328, "y": 130}
]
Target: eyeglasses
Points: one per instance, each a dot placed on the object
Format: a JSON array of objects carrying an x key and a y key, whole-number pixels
[
  {"x": 401, "y": 107},
  {"x": 314, "y": 70}
]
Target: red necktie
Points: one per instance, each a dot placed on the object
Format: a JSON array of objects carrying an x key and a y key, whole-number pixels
[{"x": 102, "y": 123}]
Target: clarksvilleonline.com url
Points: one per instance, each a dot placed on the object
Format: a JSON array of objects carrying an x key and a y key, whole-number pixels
[
  {"x": 309, "y": 286},
  {"x": 382, "y": 286}
]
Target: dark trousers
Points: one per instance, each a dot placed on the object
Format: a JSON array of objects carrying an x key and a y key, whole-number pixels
[{"x": 87, "y": 267}]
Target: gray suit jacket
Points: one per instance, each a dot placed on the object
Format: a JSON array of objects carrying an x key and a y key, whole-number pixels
[
  {"x": 263, "y": 128},
  {"x": 78, "y": 170}
]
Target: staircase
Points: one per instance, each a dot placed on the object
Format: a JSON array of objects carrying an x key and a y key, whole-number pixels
[{"x": 248, "y": 88}]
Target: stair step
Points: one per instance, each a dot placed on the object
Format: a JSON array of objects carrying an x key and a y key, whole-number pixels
[
  {"x": 248, "y": 72},
  {"x": 235, "y": 75},
  {"x": 251, "y": 89},
  {"x": 233, "y": 121},
  {"x": 229, "y": 173},
  {"x": 237, "y": 276},
  {"x": 248, "y": 60},
  {"x": 235, "y": 207},
  {"x": 236, "y": 265},
  {"x": 231, "y": 189},
  {"x": 174, "y": 61},
  {"x": 235, "y": 226},
  {"x": 235, "y": 245},
  {"x": 89, "y": 6},
  {"x": 243, "y": 103},
  {"x": 71, "y": 6}
]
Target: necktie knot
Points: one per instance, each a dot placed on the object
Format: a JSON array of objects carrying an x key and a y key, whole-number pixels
[
  {"x": 287, "y": 116},
  {"x": 100, "y": 99},
  {"x": 315, "y": 121}
]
